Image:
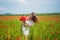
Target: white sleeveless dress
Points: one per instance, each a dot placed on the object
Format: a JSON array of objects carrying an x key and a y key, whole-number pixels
[{"x": 26, "y": 30}]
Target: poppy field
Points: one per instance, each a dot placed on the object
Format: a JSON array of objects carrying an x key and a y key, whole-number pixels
[{"x": 47, "y": 28}]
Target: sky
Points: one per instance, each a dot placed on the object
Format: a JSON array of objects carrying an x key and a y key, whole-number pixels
[{"x": 28, "y": 6}]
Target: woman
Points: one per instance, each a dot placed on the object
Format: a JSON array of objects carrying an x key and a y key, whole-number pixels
[
  {"x": 29, "y": 21},
  {"x": 33, "y": 17}
]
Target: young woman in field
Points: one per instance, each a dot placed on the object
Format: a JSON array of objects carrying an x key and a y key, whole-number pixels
[{"x": 29, "y": 21}]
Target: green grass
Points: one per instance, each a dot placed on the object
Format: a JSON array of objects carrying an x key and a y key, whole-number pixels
[{"x": 40, "y": 31}]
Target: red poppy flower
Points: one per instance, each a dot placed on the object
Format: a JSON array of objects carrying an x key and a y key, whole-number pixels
[
  {"x": 57, "y": 32},
  {"x": 47, "y": 38},
  {"x": 8, "y": 38},
  {"x": 51, "y": 33},
  {"x": 18, "y": 38},
  {"x": 51, "y": 24},
  {"x": 39, "y": 38},
  {"x": 55, "y": 39}
]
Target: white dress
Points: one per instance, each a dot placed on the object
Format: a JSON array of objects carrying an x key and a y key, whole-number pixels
[
  {"x": 26, "y": 30},
  {"x": 29, "y": 22}
]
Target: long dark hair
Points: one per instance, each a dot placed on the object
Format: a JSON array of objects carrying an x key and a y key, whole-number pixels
[{"x": 34, "y": 18}]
